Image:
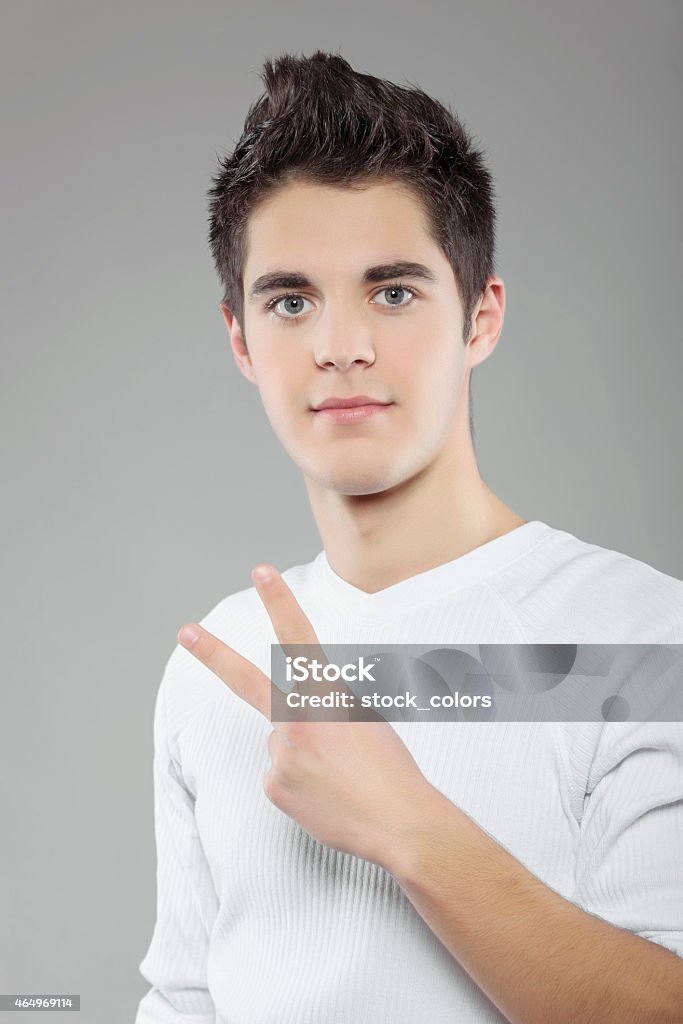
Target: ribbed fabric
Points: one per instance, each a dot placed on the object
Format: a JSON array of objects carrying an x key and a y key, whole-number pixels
[{"x": 258, "y": 923}]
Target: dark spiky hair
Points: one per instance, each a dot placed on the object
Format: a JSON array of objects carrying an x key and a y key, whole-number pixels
[{"x": 321, "y": 121}]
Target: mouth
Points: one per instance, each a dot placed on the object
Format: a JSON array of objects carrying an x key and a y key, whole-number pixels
[
  {"x": 348, "y": 413},
  {"x": 348, "y": 403}
]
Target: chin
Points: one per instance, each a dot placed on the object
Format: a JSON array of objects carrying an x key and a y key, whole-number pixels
[
  {"x": 360, "y": 469},
  {"x": 357, "y": 479},
  {"x": 356, "y": 486}
]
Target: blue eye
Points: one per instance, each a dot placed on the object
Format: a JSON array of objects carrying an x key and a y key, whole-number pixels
[
  {"x": 298, "y": 301},
  {"x": 397, "y": 288}
]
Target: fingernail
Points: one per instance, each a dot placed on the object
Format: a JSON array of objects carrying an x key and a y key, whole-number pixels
[
  {"x": 188, "y": 636},
  {"x": 263, "y": 573}
]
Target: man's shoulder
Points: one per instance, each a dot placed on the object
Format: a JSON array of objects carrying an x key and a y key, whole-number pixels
[{"x": 571, "y": 584}]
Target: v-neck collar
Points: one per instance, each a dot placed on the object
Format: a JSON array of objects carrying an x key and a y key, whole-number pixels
[{"x": 467, "y": 569}]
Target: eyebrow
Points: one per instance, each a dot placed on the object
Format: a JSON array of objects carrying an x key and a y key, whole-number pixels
[{"x": 372, "y": 275}]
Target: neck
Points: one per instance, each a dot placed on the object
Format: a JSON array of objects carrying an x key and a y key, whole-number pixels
[{"x": 435, "y": 516}]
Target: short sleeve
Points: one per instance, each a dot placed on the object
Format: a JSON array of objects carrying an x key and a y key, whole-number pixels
[
  {"x": 630, "y": 860},
  {"x": 175, "y": 964}
]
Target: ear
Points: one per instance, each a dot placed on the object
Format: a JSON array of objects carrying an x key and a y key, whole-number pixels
[
  {"x": 487, "y": 322},
  {"x": 238, "y": 344}
]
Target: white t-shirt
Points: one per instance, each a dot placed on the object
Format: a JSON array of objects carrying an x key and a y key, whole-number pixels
[{"x": 258, "y": 923}]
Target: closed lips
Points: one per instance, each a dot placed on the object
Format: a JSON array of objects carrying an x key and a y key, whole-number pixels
[{"x": 348, "y": 403}]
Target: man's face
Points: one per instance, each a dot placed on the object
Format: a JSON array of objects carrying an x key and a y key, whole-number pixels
[{"x": 342, "y": 336}]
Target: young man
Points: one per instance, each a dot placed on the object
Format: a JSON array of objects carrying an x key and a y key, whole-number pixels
[{"x": 328, "y": 873}]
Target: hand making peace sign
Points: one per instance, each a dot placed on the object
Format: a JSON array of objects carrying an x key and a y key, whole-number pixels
[{"x": 352, "y": 785}]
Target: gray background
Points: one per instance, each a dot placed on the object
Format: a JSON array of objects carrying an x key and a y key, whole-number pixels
[{"x": 138, "y": 466}]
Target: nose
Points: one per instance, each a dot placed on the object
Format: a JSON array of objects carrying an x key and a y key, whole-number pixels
[{"x": 341, "y": 344}]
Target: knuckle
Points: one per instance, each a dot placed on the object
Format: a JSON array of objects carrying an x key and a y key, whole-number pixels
[
  {"x": 272, "y": 788},
  {"x": 210, "y": 648},
  {"x": 299, "y": 732},
  {"x": 275, "y": 751},
  {"x": 282, "y": 767}
]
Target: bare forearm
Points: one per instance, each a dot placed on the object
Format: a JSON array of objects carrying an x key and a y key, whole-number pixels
[{"x": 537, "y": 956}]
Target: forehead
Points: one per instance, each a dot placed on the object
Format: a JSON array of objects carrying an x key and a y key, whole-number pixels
[{"x": 301, "y": 220}]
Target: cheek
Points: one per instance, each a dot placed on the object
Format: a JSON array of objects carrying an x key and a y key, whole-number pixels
[
  {"x": 427, "y": 366},
  {"x": 283, "y": 393},
  {"x": 271, "y": 377}
]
